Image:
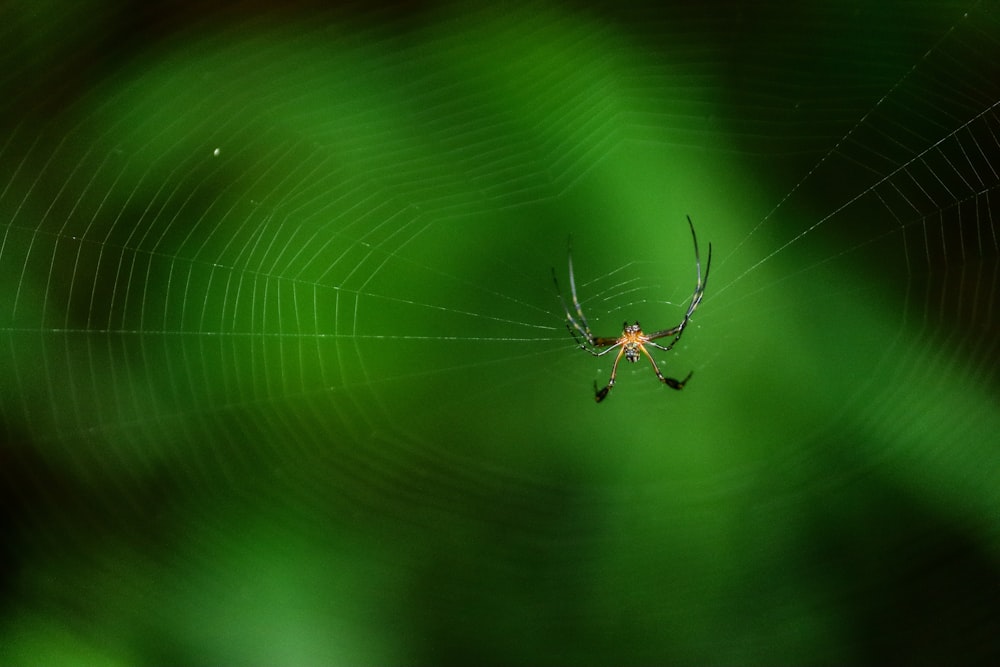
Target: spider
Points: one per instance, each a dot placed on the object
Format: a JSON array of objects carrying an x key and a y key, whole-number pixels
[{"x": 632, "y": 342}]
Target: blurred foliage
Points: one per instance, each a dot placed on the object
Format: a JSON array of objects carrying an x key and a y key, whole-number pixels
[{"x": 286, "y": 380}]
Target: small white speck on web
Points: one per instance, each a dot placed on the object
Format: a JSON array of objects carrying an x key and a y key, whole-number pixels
[{"x": 216, "y": 152}]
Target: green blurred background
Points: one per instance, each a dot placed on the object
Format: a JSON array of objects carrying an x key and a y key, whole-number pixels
[{"x": 285, "y": 379}]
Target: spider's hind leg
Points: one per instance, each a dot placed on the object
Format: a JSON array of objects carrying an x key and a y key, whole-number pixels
[
  {"x": 676, "y": 384},
  {"x": 601, "y": 394}
]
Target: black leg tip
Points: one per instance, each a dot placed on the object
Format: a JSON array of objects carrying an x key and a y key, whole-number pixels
[
  {"x": 600, "y": 395},
  {"x": 677, "y": 384}
]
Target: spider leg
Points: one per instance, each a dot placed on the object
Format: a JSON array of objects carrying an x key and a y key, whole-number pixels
[
  {"x": 670, "y": 382},
  {"x": 661, "y": 347},
  {"x": 572, "y": 291},
  {"x": 578, "y": 326},
  {"x": 574, "y": 326},
  {"x": 600, "y": 395},
  {"x": 591, "y": 344},
  {"x": 580, "y": 321},
  {"x": 696, "y": 296},
  {"x": 595, "y": 343}
]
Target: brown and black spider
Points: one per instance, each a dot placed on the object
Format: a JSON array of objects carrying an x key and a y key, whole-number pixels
[{"x": 632, "y": 342}]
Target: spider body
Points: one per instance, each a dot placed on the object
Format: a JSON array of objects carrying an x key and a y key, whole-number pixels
[{"x": 632, "y": 342}]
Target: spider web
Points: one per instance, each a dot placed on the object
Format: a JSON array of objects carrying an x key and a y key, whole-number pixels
[{"x": 282, "y": 347}]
